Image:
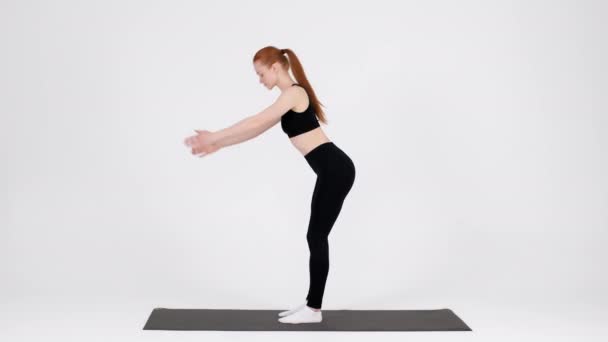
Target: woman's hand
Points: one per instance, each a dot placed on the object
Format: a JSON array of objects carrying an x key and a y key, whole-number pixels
[{"x": 202, "y": 144}]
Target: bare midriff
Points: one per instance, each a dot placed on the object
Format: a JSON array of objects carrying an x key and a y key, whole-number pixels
[{"x": 306, "y": 142}]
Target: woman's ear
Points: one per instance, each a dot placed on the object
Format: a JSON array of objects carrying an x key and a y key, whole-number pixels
[{"x": 275, "y": 67}]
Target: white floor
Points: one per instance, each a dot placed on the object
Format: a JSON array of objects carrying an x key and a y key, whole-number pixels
[{"x": 57, "y": 320}]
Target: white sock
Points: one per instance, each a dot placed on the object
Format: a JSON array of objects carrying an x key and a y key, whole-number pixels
[
  {"x": 305, "y": 315},
  {"x": 289, "y": 312}
]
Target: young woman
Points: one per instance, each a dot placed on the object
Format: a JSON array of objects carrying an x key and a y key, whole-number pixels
[{"x": 297, "y": 108}]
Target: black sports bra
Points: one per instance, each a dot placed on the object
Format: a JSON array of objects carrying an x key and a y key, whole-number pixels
[{"x": 296, "y": 123}]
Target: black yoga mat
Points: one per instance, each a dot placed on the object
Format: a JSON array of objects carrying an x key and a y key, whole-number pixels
[{"x": 333, "y": 320}]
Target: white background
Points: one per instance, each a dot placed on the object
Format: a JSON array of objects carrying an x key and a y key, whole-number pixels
[{"x": 478, "y": 130}]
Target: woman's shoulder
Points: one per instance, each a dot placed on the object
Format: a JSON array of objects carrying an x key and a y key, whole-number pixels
[{"x": 300, "y": 98}]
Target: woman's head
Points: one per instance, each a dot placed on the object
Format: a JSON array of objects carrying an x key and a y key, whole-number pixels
[
  {"x": 272, "y": 66},
  {"x": 270, "y": 75}
]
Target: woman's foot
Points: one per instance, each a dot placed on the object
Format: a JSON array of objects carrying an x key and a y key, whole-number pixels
[
  {"x": 292, "y": 311},
  {"x": 305, "y": 315}
]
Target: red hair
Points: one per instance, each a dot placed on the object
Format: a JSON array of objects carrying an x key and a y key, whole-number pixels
[{"x": 270, "y": 54}]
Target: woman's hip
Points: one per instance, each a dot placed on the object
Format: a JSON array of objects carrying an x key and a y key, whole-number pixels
[{"x": 329, "y": 160}]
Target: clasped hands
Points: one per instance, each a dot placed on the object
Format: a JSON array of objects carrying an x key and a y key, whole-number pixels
[{"x": 202, "y": 143}]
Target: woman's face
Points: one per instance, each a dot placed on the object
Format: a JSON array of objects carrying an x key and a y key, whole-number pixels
[{"x": 267, "y": 77}]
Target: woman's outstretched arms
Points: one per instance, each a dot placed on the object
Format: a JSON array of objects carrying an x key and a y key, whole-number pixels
[{"x": 255, "y": 125}]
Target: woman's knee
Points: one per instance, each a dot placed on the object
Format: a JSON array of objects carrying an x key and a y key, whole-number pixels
[{"x": 316, "y": 238}]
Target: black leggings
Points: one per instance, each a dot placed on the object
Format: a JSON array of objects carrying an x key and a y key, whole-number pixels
[{"x": 335, "y": 177}]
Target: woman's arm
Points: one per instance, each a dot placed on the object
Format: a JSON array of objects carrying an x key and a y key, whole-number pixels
[
  {"x": 254, "y": 125},
  {"x": 241, "y": 131}
]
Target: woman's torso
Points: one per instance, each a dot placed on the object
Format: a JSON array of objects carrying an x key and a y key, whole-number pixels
[{"x": 307, "y": 141}]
